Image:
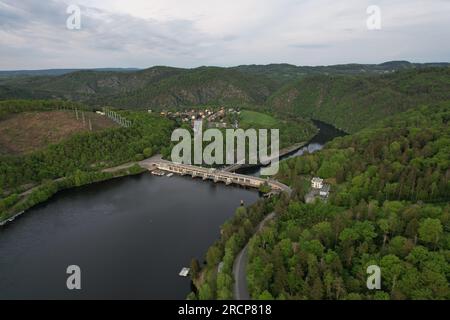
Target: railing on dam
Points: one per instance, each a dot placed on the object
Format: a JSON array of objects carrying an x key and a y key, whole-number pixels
[
  {"x": 211, "y": 174},
  {"x": 214, "y": 174}
]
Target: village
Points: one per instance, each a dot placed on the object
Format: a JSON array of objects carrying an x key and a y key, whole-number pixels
[{"x": 214, "y": 117}]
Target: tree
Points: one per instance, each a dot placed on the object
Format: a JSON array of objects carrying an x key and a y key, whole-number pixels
[
  {"x": 430, "y": 230},
  {"x": 265, "y": 296},
  {"x": 391, "y": 268},
  {"x": 412, "y": 229},
  {"x": 213, "y": 256},
  {"x": 264, "y": 188},
  {"x": 353, "y": 296},
  {"x": 205, "y": 292},
  {"x": 195, "y": 268},
  {"x": 148, "y": 152},
  {"x": 381, "y": 295},
  {"x": 400, "y": 246},
  {"x": 383, "y": 224},
  {"x": 224, "y": 286},
  {"x": 317, "y": 289}
]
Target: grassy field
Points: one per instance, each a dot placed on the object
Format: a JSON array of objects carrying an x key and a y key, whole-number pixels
[
  {"x": 253, "y": 119},
  {"x": 291, "y": 131},
  {"x": 29, "y": 131}
]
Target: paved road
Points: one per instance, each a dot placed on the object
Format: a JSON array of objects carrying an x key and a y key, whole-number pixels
[{"x": 240, "y": 290}]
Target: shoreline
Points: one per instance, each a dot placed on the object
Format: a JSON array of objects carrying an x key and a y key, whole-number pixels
[
  {"x": 116, "y": 172},
  {"x": 119, "y": 173}
]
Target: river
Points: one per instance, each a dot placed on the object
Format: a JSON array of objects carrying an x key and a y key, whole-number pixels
[
  {"x": 130, "y": 236},
  {"x": 326, "y": 133}
]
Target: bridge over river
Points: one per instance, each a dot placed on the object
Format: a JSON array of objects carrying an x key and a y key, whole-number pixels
[{"x": 156, "y": 163}]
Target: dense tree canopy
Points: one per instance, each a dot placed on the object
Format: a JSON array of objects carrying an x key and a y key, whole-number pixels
[{"x": 388, "y": 207}]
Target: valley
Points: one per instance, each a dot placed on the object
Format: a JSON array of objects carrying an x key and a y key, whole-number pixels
[{"x": 388, "y": 176}]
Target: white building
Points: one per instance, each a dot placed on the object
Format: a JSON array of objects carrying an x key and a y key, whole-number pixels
[
  {"x": 325, "y": 191},
  {"x": 317, "y": 183}
]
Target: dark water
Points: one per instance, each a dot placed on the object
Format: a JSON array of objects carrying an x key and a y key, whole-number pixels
[
  {"x": 130, "y": 237},
  {"x": 326, "y": 134}
]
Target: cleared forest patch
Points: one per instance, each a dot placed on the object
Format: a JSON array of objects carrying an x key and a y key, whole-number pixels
[{"x": 29, "y": 131}]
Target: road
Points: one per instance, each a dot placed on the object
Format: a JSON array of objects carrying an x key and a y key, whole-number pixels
[
  {"x": 240, "y": 289},
  {"x": 241, "y": 163}
]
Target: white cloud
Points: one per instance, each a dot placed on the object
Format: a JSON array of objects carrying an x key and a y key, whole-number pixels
[{"x": 190, "y": 33}]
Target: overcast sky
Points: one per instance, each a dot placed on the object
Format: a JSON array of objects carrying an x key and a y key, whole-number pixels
[{"x": 191, "y": 33}]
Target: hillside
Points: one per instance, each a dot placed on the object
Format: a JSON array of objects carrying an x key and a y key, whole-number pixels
[
  {"x": 54, "y": 72},
  {"x": 206, "y": 85},
  {"x": 29, "y": 131},
  {"x": 86, "y": 86},
  {"x": 157, "y": 87},
  {"x": 285, "y": 73},
  {"x": 353, "y": 102},
  {"x": 389, "y": 207},
  {"x": 259, "y": 86}
]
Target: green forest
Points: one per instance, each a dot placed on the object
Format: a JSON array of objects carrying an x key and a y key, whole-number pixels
[
  {"x": 328, "y": 93},
  {"x": 352, "y": 103},
  {"x": 389, "y": 207}
]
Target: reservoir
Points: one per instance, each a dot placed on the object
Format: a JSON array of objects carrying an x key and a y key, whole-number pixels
[{"x": 129, "y": 236}]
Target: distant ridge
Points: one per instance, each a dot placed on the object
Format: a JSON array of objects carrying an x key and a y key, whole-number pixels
[
  {"x": 56, "y": 72},
  {"x": 285, "y": 68},
  {"x": 349, "y": 96}
]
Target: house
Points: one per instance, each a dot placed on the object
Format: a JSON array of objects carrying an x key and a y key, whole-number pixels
[
  {"x": 325, "y": 191},
  {"x": 317, "y": 183},
  {"x": 318, "y": 190}
]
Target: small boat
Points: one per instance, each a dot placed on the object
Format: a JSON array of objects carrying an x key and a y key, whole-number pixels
[
  {"x": 184, "y": 272},
  {"x": 170, "y": 174},
  {"x": 158, "y": 173}
]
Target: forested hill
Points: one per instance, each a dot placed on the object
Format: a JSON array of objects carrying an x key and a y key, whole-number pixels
[
  {"x": 389, "y": 207},
  {"x": 54, "y": 72},
  {"x": 199, "y": 86},
  {"x": 284, "y": 73},
  {"x": 86, "y": 86},
  {"x": 354, "y": 102},
  {"x": 157, "y": 87},
  {"x": 282, "y": 87}
]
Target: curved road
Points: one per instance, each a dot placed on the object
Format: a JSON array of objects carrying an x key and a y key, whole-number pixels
[{"x": 240, "y": 290}]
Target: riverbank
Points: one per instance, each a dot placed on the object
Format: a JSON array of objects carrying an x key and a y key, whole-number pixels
[{"x": 45, "y": 191}]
